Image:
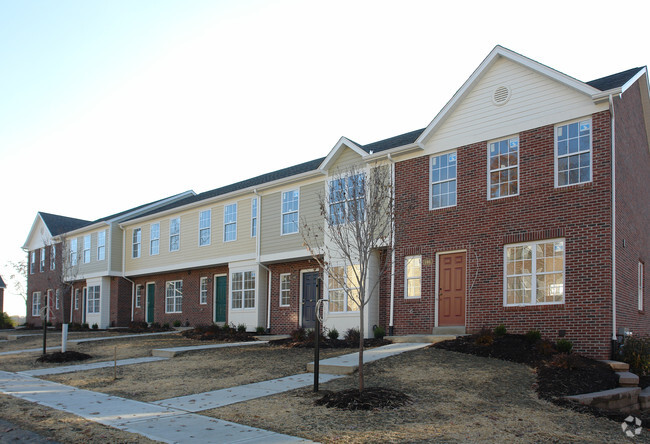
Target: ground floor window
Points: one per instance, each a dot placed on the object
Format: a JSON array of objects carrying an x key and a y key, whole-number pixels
[
  {"x": 174, "y": 297},
  {"x": 203, "y": 292},
  {"x": 93, "y": 299},
  {"x": 76, "y": 299},
  {"x": 138, "y": 295},
  {"x": 243, "y": 289},
  {"x": 57, "y": 299},
  {"x": 343, "y": 288},
  {"x": 413, "y": 276},
  {"x": 36, "y": 303},
  {"x": 534, "y": 273},
  {"x": 285, "y": 286}
]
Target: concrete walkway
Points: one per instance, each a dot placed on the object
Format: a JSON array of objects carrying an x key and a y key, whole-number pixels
[
  {"x": 173, "y": 351},
  {"x": 89, "y": 366},
  {"x": 29, "y": 350}
]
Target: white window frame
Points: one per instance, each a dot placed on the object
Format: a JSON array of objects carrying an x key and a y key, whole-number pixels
[
  {"x": 93, "y": 299},
  {"x": 136, "y": 246},
  {"x": 205, "y": 227},
  {"x": 344, "y": 199},
  {"x": 57, "y": 298},
  {"x": 77, "y": 293},
  {"x": 640, "y": 282},
  {"x": 534, "y": 273},
  {"x": 567, "y": 155},
  {"x": 447, "y": 181},
  {"x": 254, "y": 209},
  {"x": 86, "y": 252},
  {"x": 174, "y": 296},
  {"x": 407, "y": 279},
  {"x": 335, "y": 286},
  {"x": 41, "y": 262},
  {"x": 73, "y": 252},
  {"x": 239, "y": 297},
  {"x": 176, "y": 234},
  {"x": 32, "y": 262},
  {"x": 517, "y": 150},
  {"x": 285, "y": 290},
  {"x": 287, "y": 212},
  {"x": 230, "y": 222},
  {"x": 203, "y": 291},
  {"x": 36, "y": 303},
  {"x": 101, "y": 245},
  {"x": 138, "y": 295},
  {"x": 155, "y": 239},
  {"x": 53, "y": 257}
]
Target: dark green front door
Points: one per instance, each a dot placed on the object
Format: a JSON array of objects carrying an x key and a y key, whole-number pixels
[
  {"x": 151, "y": 290},
  {"x": 221, "y": 294}
]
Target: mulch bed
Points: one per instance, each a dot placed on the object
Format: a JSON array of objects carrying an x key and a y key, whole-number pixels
[
  {"x": 67, "y": 356},
  {"x": 216, "y": 333},
  {"x": 370, "y": 398},
  {"x": 326, "y": 342}
]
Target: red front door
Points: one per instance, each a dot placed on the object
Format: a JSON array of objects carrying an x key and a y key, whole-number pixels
[{"x": 451, "y": 290}]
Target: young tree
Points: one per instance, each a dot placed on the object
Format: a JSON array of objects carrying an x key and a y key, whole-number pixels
[{"x": 357, "y": 223}]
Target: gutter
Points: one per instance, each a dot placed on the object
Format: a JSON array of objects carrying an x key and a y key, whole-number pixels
[
  {"x": 613, "y": 155},
  {"x": 258, "y": 240},
  {"x": 124, "y": 272},
  {"x": 392, "y": 248}
]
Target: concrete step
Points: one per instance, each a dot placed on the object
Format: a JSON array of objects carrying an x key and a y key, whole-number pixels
[
  {"x": 419, "y": 338},
  {"x": 271, "y": 337},
  {"x": 644, "y": 398},
  {"x": 617, "y": 366},
  {"x": 459, "y": 330},
  {"x": 627, "y": 379},
  {"x": 624, "y": 399}
]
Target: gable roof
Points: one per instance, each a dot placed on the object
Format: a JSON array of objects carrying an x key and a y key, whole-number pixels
[
  {"x": 614, "y": 80},
  {"x": 60, "y": 224},
  {"x": 2, "y": 283},
  {"x": 392, "y": 142}
]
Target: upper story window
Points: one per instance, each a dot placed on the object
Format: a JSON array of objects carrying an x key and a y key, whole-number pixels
[
  {"x": 86, "y": 248},
  {"x": 53, "y": 257},
  {"x": 73, "y": 252},
  {"x": 413, "y": 276},
  {"x": 32, "y": 262},
  {"x": 203, "y": 291},
  {"x": 243, "y": 289},
  {"x": 534, "y": 273},
  {"x": 175, "y": 234},
  {"x": 254, "y": 217},
  {"x": 205, "y": 218},
  {"x": 154, "y": 239},
  {"x": 640, "y": 286},
  {"x": 285, "y": 286},
  {"x": 573, "y": 153},
  {"x": 230, "y": 223},
  {"x": 174, "y": 297},
  {"x": 347, "y": 198},
  {"x": 339, "y": 280},
  {"x": 137, "y": 242},
  {"x": 42, "y": 260},
  {"x": 503, "y": 161},
  {"x": 101, "y": 245},
  {"x": 290, "y": 211},
  {"x": 443, "y": 181}
]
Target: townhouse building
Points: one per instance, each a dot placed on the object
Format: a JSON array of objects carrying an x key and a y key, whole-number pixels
[{"x": 524, "y": 202}]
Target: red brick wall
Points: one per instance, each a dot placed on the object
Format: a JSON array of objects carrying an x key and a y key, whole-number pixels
[
  {"x": 2, "y": 297},
  {"x": 632, "y": 209},
  {"x": 580, "y": 214},
  {"x": 192, "y": 311},
  {"x": 47, "y": 280},
  {"x": 120, "y": 292},
  {"x": 286, "y": 319}
]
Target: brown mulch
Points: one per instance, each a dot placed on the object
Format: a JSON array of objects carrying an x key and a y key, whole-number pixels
[
  {"x": 67, "y": 356},
  {"x": 326, "y": 342},
  {"x": 216, "y": 333},
  {"x": 371, "y": 398}
]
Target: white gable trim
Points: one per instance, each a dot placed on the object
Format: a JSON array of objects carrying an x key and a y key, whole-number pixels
[
  {"x": 335, "y": 152},
  {"x": 494, "y": 55},
  {"x": 34, "y": 231},
  {"x": 633, "y": 80}
]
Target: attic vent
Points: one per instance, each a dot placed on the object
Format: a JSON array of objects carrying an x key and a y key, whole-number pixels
[{"x": 501, "y": 95}]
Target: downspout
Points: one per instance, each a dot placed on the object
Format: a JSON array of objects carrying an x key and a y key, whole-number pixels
[
  {"x": 124, "y": 273},
  {"x": 258, "y": 235},
  {"x": 391, "y": 327},
  {"x": 613, "y": 125}
]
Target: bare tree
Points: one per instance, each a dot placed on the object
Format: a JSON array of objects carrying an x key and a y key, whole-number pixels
[
  {"x": 18, "y": 276},
  {"x": 357, "y": 222}
]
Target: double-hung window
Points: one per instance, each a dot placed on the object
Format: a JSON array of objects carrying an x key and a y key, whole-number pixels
[
  {"x": 86, "y": 248},
  {"x": 36, "y": 303},
  {"x": 205, "y": 227},
  {"x": 285, "y": 286},
  {"x": 413, "y": 276},
  {"x": 138, "y": 295},
  {"x": 32, "y": 262},
  {"x": 443, "y": 181},
  {"x": 347, "y": 198},
  {"x": 534, "y": 273},
  {"x": 174, "y": 297},
  {"x": 57, "y": 298},
  {"x": 175, "y": 234},
  {"x": 573, "y": 153},
  {"x": 154, "y": 239},
  {"x": 42, "y": 260},
  {"x": 343, "y": 288},
  {"x": 101, "y": 245},
  {"x": 93, "y": 299},
  {"x": 243, "y": 289},
  {"x": 230, "y": 223},
  {"x": 203, "y": 291},
  {"x": 639, "y": 283},
  {"x": 290, "y": 211},
  {"x": 76, "y": 298},
  {"x": 503, "y": 164},
  {"x": 137, "y": 242},
  {"x": 73, "y": 252},
  {"x": 53, "y": 257},
  {"x": 254, "y": 217}
]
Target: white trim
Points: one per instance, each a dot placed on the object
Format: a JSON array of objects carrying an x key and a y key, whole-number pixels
[
  {"x": 169, "y": 244},
  {"x": 591, "y": 151},
  {"x": 334, "y": 153},
  {"x": 406, "y": 278},
  {"x": 209, "y": 228},
  {"x": 489, "y": 171},
  {"x": 437, "y": 284},
  {"x": 636, "y": 77},
  {"x": 225, "y": 224},
  {"x": 282, "y": 213},
  {"x": 431, "y": 157}
]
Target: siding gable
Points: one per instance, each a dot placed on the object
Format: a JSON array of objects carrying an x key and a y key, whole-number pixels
[{"x": 344, "y": 160}]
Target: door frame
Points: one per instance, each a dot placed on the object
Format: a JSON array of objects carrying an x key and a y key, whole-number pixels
[
  {"x": 214, "y": 296},
  {"x": 302, "y": 273},
  {"x": 437, "y": 283},
  {"x": 146, "y": 292}
]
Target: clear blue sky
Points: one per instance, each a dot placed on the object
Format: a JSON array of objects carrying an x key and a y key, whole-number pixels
[{"x": 105, "y": 105}]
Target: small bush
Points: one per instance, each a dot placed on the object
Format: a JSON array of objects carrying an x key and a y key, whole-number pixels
[
  {"x": 241, "y": 328},
  {"x": 545, "y": 348},
  {"x": 155, "y": 325},
  {"x": 299, "y": 335},
  {"x": 333, "y": 334},
  {"x": 166, "y": 326},
  {"x": 85, "y": 326},
  {"x": 485, "y": 337},
  {"x": 500, "y": 330},
  {"x": 636, "y": 352},
  {"x": 95, "y": 326},
  {"x": 6, "y": 321},
  {"x": 260, "y": 330},
  {"x": 533, "y": 336},
  {"x": 177, "y": 323},
  {"x": 353, "y": 335},
  {"x": 379, "y": 332},
  {"x": 564, "y": 346}
]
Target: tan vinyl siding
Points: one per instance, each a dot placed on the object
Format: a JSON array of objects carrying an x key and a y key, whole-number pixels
[
  {"x": 114, "y": 246},
  {"x": 535, "y": 100},
  {"x": 344, "y": 161}
]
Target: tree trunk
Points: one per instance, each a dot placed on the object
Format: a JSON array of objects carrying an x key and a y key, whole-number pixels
[{"x": 361, "y": 335}]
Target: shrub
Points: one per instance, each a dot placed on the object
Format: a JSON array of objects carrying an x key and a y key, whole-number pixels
[
  {"x": 299, "y": 335},
  {"x": 636, "y": 352},
  {"x": 485, "y": 337},
  {"x": 353, "y": 335},
  {"x": 6, "y": 321},
  {"x": 166, "y": 326},
  {"x": 260, "y": 330},
  {"x": 545, "y": 348},
  {"x": 333, "y": 334},
  {"x": 500, "y": 330},
  {"x": 177, "y": 323},
  {"x": 533, "y": 336},
  {"x": 155, "y": 325},
  {"x": 95, "y": 326},
  {"x": 241, "y": 328},
  {"x": 379, "y": 332},
  {"x": 564, "y": 346},
  {"x": 85, "y": 326}
]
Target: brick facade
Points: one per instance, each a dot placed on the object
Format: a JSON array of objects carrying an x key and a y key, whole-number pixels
[
  {"x": 580, "y": 214},
  {"x": 44, "y": 281}
]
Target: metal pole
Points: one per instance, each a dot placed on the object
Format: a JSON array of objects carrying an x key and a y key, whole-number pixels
[{"x": 317, "y": 339}]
